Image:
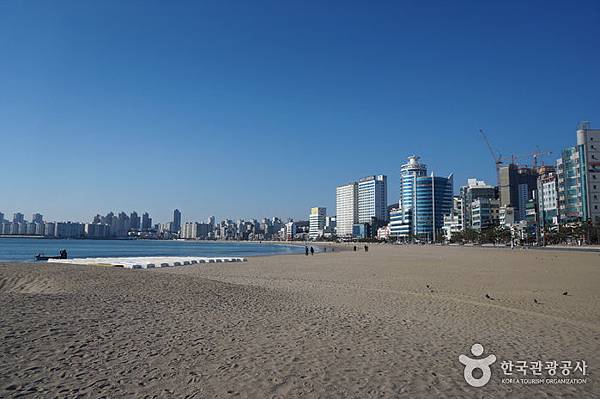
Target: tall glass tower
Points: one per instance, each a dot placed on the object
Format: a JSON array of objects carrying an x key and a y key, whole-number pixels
[{"x": 424, "y": 200}]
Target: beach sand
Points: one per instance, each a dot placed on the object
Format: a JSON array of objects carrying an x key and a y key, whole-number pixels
[{"x": 344, "y": 324}]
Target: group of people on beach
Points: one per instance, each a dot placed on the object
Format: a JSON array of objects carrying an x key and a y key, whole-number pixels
[{"x": 312, "y": 250}]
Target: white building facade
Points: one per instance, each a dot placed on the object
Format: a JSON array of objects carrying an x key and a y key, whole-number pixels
[
  {"x": 346, "y": 208},
  {"x": 372, "y": 199},
  {"x": 316, "y": 222}
]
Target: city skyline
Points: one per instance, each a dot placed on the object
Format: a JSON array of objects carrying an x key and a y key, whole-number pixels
[{"x": 216, "y": 102}]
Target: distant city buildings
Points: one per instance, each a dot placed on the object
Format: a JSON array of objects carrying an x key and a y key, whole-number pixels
[
  {"x": 196, "y": 231},
  {"x": 176, "y": 224},
  {"x": 146, "y": 222},
  {"x": 135, "y": 221},
  {"x": 37, "y": 218},
  {"x": 528, "y": 202},
  {"x": 18, "y": 218}
]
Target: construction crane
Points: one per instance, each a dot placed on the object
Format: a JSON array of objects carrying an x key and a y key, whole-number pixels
[
  {"x": 539, "y": 154},
  {"x": 497, "y": 158},
  {"x": 536, "y": 155}
]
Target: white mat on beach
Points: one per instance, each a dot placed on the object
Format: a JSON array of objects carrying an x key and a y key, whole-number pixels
[{"x": 147, "y": 262}]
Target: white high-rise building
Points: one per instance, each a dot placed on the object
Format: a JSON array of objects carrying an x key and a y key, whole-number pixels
[
  {"x": 346, "y": 208},
  {"x": 372, "y": 199},
  {"x": 316, "y": 222}
]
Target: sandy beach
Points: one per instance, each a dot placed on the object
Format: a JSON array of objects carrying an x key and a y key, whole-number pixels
[{"x": 388, "y": 323}]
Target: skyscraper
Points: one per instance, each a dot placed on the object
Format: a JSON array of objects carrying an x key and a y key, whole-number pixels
[
  {"x": 146, "y": 222},
  {"x": 37, "y": 218},
  {"x": 134, "y": 220},
  {"x": 18, "y": 218},
  {"x": 372, "y": 200},
  {"x": 211, "y": 221},
  {"x": 346, "y": 208},
  {"x": 424, "y": 200},
  {"x": 176, "y": 225},
  {"x": 316, "y": 221}
]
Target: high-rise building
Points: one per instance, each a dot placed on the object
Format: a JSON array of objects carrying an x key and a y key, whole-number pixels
[
  {"x": 39, "y": 229},
  {"x": 346, "y": 208},
  {"x": 211, "y": 221},
  {"x": 121, "y": 225},
  {"x": 176, "y": 225},
  {"x": 289, "y": 230},
  {"x": 37, "y": 218},
  {"x": 1, "y": 217},
  {"x": 316, "y": 221},
  {"x": 146, "y": 222},
  {"x": 18, "y": 218},
  {"x": 96, "y": 230},
  {"x": 49, "y": 229},
  {"x": 372, "y": 199},
  {"x": 517, "y": 184},
  {"x": 474, "y": 190},
  {"x": 424, "y": 200},
  {"x": 589, "y": 140},
  {"x": 547, "y": 191},
  {"x": 134, "y": 220}
]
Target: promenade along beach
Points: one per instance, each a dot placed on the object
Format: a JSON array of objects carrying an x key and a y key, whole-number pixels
[{"x": 390, "y": 322}]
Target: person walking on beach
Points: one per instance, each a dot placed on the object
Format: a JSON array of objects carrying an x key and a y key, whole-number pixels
[
  {"x": 306, "y": 250},
  {"x": 355, "y": 248},
  {"x": 366, "y": 248},
  {"x": 312, "y": 251}
]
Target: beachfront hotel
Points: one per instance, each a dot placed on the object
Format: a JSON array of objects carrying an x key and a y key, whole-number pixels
[
  {"x": 424, "y": 200},
  {"x": 346, "y": 208}
]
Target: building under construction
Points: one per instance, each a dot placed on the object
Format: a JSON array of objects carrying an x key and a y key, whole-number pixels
[{"x": 517, "y": 185}]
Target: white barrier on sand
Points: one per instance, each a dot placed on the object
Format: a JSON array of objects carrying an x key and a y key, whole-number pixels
[{"x": 146, "y": 262}]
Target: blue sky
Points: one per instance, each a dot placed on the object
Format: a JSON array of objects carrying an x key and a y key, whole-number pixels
[{"x": 252, "y": 109}]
